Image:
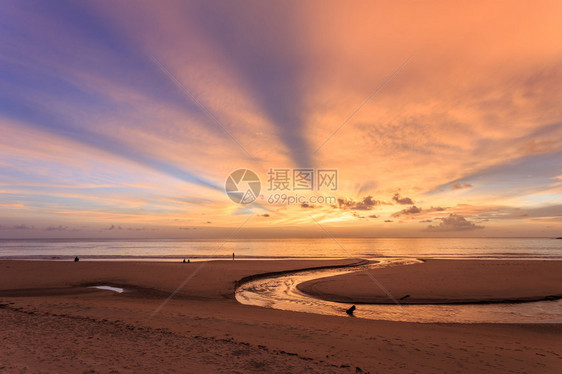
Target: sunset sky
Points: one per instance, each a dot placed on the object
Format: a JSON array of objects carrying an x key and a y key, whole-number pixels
[{"x": 122, "y": 119}]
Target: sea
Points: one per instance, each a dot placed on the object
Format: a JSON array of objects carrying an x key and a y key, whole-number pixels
[{"x": 323, "y": 248}]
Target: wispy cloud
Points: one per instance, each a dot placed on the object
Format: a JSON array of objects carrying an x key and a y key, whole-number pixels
[
  {"x": 367, "y": 203},
  {"x": 95, "y": 134},
  {"x": 408, "y": 211},
  {"x": 17, "y": 227},
  {"x": 454, "y": 223},
  {"x": 402, "y": 200},
  {"x": 460, "y": 186}
]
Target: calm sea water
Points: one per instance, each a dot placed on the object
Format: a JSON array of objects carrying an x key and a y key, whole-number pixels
[{"x": 170, "y": 250}]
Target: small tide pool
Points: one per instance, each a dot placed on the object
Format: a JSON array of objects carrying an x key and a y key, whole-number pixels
[{"x": 109, "y": 288}]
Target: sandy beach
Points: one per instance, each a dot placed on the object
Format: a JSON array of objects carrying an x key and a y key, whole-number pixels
[
  {"x": 51, "y": 322},
  {"x": 445, "y": 282}
]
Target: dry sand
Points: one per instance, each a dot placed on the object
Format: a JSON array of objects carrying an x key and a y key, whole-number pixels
[
  {"x": 52, "y": 324},
  {"x": 445, "y": 282}
]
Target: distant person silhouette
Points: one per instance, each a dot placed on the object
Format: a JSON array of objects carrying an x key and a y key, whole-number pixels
[
  {"x": 351, "y": 310},
  {"x": 76, "y": 259},
  {"x": 184, "y": 260},
  {"x": 233, "y": 255},
  {"x": 188, "y": 260}
]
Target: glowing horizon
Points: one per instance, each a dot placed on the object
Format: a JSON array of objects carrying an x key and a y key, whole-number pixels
[{"x": 121, "y": 121}]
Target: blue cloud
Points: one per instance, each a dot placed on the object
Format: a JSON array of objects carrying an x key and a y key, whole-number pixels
[
  {"x": 527, "y": 174},
  {"x": 77, "y": 39},
  {"x": 267, "y": 60}
]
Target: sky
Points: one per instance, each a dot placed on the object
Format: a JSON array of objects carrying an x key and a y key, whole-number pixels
[{"x": 125, "y": 119}]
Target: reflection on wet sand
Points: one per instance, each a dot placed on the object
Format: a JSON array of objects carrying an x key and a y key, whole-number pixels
[{"x": 281, "y": 293}]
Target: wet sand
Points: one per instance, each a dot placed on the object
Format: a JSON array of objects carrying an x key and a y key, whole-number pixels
[
  {"x": 52, "y": 323},
  {"x": 445, "y": 282}
]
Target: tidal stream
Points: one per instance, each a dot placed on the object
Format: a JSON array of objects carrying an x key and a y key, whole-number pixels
[{"x": 281, "y": 292}]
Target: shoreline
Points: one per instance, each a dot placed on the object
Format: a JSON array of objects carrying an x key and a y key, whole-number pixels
[
  {"x": 200, "y": 258},
  {"x": 309, "y": 288},
  {"x": 21, "y": 275}
]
